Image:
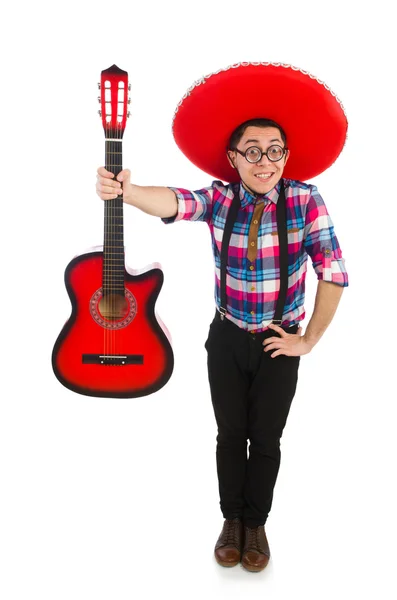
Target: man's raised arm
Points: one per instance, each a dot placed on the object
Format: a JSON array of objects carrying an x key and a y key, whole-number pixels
[{"x": 154, "y": 200}]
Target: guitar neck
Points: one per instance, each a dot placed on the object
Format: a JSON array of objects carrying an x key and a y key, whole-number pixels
[
  {"x": 113, "y": 86},
  {"x": 113, "y": 247}
]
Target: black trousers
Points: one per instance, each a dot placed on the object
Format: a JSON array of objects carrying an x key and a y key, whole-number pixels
[{"x": 251, "y": 395}]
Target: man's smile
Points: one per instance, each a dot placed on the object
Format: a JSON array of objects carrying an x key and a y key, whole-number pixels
[{"x": 264, "y": 175}]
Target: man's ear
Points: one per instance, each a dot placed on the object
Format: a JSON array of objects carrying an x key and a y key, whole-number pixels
[
  {"x": 229, "y": 155},
  {"x": 286, "y": 157}
]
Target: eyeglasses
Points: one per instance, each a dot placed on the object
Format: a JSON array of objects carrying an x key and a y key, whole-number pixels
[{"x": 253, "y": 154}]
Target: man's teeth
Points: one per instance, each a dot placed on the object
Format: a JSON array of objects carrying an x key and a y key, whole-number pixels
[{"x": 263, "y": 176}]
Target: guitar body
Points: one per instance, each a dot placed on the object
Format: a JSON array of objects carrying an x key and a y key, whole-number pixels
[{"x": 111, "y": 349}]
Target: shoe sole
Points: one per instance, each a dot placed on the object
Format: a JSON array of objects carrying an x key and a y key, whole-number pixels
[{"x": 254, "y": 569}]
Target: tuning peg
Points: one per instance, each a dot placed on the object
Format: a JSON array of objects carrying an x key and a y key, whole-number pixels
[
  {"x": 128, "y": 114},
  {"x": 129, "y": 87},
  {"x": 100, "y": 113},
  {"x": 99, "y": 99},
  {"x": 129, "y": 100},
  {"x": 99, "y": 86}
]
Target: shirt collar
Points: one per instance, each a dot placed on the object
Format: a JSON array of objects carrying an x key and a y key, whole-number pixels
[{"x": 247, "y": 198}]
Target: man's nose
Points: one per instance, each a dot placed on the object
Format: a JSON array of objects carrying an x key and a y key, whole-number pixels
[{"x": 264, "y": 161}]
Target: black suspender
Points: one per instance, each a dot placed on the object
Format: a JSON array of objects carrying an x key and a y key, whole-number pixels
[
  {"x": 281, "y": 215},
  {"x": 230, "y": 220}
]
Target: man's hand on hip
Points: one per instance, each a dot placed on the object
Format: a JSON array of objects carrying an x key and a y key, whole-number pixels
[{"x": 290, "y": 344}]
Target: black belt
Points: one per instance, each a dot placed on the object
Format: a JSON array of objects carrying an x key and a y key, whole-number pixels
[{"x": 281, "y": 215}]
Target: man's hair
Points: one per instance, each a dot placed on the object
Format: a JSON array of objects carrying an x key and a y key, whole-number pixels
[{"x": 239, "y": 131}]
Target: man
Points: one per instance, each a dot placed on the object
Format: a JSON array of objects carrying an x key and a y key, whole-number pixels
[{"x": 263, "y": 226}]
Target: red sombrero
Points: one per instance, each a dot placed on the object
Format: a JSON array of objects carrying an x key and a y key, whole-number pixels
[{"x": 311, "y": 115}]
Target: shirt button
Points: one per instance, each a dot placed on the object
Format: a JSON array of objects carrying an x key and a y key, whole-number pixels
[
  {"x": 252, "y": 312},
  {"x": 252, "y": 289},
  {"x": 255, "y": 222},
  {"x": 252, "y": 243},
  {"x": 253, "y": 331},
  {"x": 251, "y": 268}
]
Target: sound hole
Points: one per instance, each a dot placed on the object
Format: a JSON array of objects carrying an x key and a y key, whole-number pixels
[
  {"x": 113, "y": 307},
  {"x": 113, "y": 311}
]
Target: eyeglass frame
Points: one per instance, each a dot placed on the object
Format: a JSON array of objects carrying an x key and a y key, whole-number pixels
[{"x": 253, "y": 162}]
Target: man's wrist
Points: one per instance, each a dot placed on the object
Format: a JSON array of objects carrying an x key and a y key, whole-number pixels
[{"x": 310, "y": 341}]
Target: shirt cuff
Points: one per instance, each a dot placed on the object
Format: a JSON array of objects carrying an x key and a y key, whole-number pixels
[
  {"x": 181, "y": 207},
  {"x": 332, "y": 268}
]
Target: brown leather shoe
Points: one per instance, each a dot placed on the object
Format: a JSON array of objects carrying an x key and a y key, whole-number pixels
[
  {"x": 230, "y": 543},
  {"x": 256, "y": 552}
]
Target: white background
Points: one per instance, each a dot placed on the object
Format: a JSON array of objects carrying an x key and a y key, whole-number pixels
[{"x": 118, "y": 499}]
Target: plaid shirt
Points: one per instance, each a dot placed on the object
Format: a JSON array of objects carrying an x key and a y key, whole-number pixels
[{"x": 252, "y": 287}]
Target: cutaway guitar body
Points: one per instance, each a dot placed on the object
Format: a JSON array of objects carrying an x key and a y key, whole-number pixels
[{"x": 113, "y": 348}]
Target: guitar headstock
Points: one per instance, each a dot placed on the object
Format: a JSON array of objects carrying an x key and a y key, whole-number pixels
[{"x": 114, "y": 99}]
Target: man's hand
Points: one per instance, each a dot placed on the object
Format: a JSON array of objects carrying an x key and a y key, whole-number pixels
[
  {"x": 290, "y": 344},
  {"x": 109, "y": 188}
]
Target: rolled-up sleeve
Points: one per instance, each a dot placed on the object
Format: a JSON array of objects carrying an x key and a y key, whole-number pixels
[
  {"x": 192, "y": 206},
  {"x": 321, "y": 243}
]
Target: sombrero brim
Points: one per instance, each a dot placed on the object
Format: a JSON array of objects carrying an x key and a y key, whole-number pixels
[{"x": 311, "y": 115}]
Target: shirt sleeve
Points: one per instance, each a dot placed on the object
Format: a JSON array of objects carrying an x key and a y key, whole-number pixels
[
  {"x": 192, "y": 206},
  {"x": 321, "y": 243}
]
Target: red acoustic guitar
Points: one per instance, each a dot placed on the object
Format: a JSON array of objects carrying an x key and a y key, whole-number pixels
[{"x": 113, "y": 345}]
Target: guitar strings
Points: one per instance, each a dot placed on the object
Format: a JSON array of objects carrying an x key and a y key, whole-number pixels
[
  {"x": 114, "y": 236},
  {"x": 106, "y": 262},
  {"x": 113, "y": 231},
  {"x": 117, "y": 220},
  {"x": 116, "y": 147}
]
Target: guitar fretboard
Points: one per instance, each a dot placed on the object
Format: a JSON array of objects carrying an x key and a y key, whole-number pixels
[{"x": 113, "y": 247}]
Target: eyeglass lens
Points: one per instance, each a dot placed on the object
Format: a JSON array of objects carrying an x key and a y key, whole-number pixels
[{"x": 273, "y": 153}]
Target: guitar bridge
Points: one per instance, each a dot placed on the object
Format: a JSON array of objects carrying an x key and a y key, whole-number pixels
[{"x": 114, "y": 360}]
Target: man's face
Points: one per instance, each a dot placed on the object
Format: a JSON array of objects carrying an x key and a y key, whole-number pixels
[{"x": 254, "y": 175}]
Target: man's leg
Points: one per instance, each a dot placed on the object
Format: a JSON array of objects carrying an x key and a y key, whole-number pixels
[
  {"x": 269, "y": 400},
  {"x": 229, "y": 384}
]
